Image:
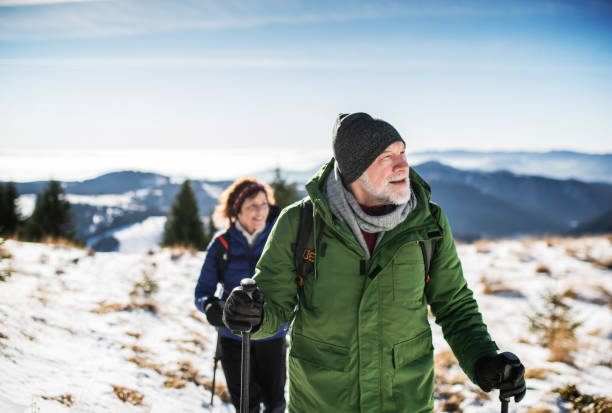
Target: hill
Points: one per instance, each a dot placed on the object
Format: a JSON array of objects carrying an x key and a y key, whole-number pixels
[{"x": 74, "y": 326}]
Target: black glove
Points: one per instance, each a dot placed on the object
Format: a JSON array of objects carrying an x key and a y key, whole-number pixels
[
  {"x": 213, "y": 308},
  {"x": 504, "y": 372},
  {"x": 243, "y": 313}
]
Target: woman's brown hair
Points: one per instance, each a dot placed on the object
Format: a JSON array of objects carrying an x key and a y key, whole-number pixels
[{"x": 232, "y": 198}]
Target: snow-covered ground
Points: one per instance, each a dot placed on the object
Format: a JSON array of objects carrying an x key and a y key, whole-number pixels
[{"x": 69, "y": 326}]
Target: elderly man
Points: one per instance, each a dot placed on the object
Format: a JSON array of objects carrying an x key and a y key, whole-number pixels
[{"x": 361, "y": 340}]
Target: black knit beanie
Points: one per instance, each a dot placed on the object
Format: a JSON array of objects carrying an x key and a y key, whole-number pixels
[{"x": 358, "y": 139}]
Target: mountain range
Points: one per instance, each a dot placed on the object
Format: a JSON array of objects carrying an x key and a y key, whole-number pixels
[{"x": 479, "y": 203}]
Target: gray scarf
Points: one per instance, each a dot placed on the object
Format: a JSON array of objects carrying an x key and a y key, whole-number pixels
[{"x": 346, "y": 208}]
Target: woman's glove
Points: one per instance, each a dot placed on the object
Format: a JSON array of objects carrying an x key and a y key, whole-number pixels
[
  {"x": 213, "y": 308},
  {"x": 243, "y": 313},
  {"x": 504, "y": 372}
]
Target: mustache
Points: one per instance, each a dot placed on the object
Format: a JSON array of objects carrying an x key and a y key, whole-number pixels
[{"x": 397, "y": 177}]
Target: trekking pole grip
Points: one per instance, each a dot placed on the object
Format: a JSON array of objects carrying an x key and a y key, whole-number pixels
[
  {"x": 248, "y": 286},
  {"x": 510, "y": 358}
]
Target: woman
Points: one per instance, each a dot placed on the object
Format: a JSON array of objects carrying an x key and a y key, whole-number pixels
[{"x": 248, "y": 207}]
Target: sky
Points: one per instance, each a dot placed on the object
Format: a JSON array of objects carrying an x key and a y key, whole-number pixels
[{"x": 273, "y": 75}]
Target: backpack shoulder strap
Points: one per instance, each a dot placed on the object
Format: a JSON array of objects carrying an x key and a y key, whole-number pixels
[
  {"x": 428, "y": 247},
  {"x": 222, "y": 257},
  {"x": 303, "y": 253},
  {"x": 305, "y": 244}
]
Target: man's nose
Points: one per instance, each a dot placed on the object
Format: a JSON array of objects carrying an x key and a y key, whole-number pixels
[{"x": 401, "y": 164}]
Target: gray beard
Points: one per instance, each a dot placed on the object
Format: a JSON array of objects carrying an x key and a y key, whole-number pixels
[{"x": 345, "y": 207}]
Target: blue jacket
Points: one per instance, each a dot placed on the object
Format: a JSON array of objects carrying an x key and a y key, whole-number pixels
[{"x": 237, "y": 269}]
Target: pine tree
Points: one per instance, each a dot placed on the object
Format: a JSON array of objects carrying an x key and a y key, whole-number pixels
[
  {"x": 9, "y": 216},
  {"x": 184, "y": 226},
  {"x": 284, "y": 193},
  {"x": 52, "y": 215}
]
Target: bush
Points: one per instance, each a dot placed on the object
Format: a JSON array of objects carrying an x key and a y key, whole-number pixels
[{"x": 555, "y": 327}]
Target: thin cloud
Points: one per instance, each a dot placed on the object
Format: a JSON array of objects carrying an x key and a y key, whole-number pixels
[
  {"x": 286, "y": 63},
  {"x": 95, "y": 18},
  {"x": 13, "y": 3}
]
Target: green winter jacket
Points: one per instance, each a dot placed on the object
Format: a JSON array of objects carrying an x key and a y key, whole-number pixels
[{"x": 361, "y": 341}]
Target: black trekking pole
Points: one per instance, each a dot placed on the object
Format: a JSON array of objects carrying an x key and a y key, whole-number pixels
[
  {"x": 248, "y": 286},
  {"x": 215, "y": 361},
  {"x": 510, "y": 357}
]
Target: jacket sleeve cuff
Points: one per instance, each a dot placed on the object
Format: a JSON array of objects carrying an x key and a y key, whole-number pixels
[{"x": 468, "y": 365}]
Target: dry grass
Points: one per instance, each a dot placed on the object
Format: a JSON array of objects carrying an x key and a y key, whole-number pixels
[
  {"x": 186, "y": 373},
  {"x": 135, "y": 348},
  {"x": 584, "y": 402},
  {"x": 175, "y": 383},
  {"x": 133, "y": 334},
  {"x": 184, "y": 349},
  {"x": 104, "y": 308},
  {"x": 555, "y": 328},
  {"x": 197, "y": 342},
  {"x": 482, "y": 396},
  {"x": 537, "y": 373},
  {"x": 196, "y": 315},
  {"x": 606, "y": 294},
  {"x": 28, "y": 336},
  {"x": 542, "y": 269},
  {"x": 180, "y": 376},
  {"x": 445, "y": 360},
  {"x": 450, "y": 401},
  {"x": 146, "y": 363},
  {"x": 65, "y": 399},
  {"x": 128, "y": 395},
  {"x": 603, "y": 263},
  {"x": 482, "y": 246},
  {"x": 62, "y": 242},
  {"x": 539, "y": 410},
  {"x": 499, "y": 288},
  {"x": 3, "y": 336}
]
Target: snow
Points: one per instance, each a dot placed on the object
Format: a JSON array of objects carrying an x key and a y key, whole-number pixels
[
  {"x": 141, "y": 236},
  {"x": 214, "y": 191},
  {"x": 26, "y": 204},
  {"x": 52, "y": 342},
  {"x": 112, "y": 200}
]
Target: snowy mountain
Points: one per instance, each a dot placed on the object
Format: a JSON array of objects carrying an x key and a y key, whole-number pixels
[
  {"x": 116, "y": 202},
  {"x": 554, "y": 164},
  {"x": 125, "y": 210},
  {"x": 78, "y": 333}
]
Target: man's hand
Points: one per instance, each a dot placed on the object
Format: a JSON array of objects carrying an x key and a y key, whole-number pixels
[
  {"x": 243, "y": 313},
  {"x": 213, "y": 308},
  {"x": 504, "y": 372}
]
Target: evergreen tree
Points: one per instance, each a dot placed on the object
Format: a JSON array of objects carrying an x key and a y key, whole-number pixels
[
  {"x": 184, "y": 226},
  {"x": 51, "y": 217},
  {"x": 9, "y": 217},
  {"x": 284, "y": 193}
]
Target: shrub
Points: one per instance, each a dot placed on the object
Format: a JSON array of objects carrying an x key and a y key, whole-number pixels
[{"x": 555, "y": 327}]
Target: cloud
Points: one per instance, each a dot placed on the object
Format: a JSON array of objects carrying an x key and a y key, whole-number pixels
[
  {"x": 46, "y": 19},
  {"x": 13, "y": 3},
  {"x": 305, "y": 63}
]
